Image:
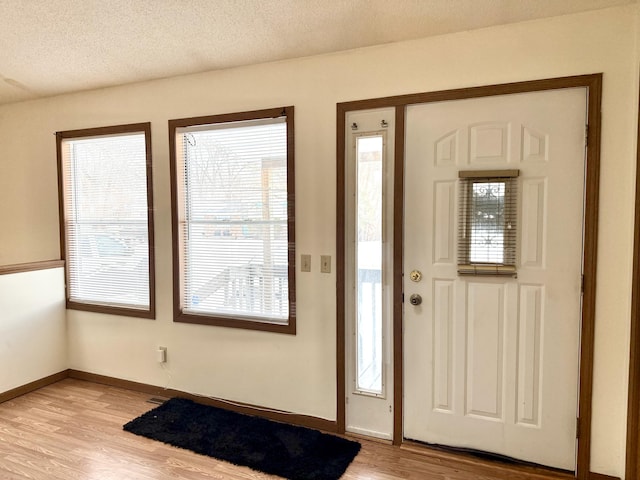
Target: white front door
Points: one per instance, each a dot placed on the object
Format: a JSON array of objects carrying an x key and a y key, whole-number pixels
[
  {"x": 491, "y": 362},
  {"x": 369, "y": 274}
]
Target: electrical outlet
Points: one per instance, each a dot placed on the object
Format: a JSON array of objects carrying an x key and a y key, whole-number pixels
[
  {"x": 305, "y": 262},
  {"x": 325, "y": 263},
  {"x": 161, "y": 354}
]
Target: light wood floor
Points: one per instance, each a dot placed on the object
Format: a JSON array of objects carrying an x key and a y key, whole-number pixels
[{"x": 72, "y": 430}]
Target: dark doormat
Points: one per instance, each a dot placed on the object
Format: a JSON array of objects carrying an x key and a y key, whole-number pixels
[{"x": 296, "y": 453}]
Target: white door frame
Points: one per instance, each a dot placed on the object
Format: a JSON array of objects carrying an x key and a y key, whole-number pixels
[{"x": 593, "y": 83}]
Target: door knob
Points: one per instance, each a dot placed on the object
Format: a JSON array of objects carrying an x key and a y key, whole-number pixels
[{"x": 415, "y": 299}]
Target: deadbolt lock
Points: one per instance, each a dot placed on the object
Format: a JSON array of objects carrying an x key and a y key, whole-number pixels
[
  {"x": 415, "y": 275},
  {"x": 415, "y": 299}
]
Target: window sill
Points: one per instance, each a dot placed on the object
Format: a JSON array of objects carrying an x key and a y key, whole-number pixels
[
  {"x": 112, "y": 310},
  {"x": 215, "y": 321}
]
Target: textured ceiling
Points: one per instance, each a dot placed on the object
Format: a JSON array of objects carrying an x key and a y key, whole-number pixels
[{"x": 48, "y": 47}]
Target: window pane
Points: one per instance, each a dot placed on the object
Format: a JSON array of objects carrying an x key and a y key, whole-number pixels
[
  {"x": 235, "y": 236},
  {"x": 106, "y": 225},
  {"x": 487, "y": 222},
  {"x": 369, "y": 264}
]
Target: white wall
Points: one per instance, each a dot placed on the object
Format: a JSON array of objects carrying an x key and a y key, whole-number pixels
[
  {"x": 33, "y": 333},
  {"x": 297, "y": 373}
]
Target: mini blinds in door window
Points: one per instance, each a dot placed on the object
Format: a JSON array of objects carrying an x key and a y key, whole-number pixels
[
  {"x": 487, "y": 227},
  {"x": 105, "y": 220},
  {"x": 233, "y": 225}
]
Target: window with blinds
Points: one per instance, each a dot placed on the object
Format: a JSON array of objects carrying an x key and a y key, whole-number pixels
[
  {"x": 105, "y": 180},
  {"x": 233, "y": 220},
  {"x": 487, "y": 224}
]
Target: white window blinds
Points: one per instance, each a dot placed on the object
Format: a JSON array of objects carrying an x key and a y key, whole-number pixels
[
  {"x": 233, "y": 225},
  {"x": 106, "y": 211},
  {"x": 488, "y": 220}
]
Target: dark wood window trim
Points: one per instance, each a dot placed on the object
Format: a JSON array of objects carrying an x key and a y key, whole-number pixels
[
  {"x": 593, "y": 83},
  {"x": 30, "y": 266},
  {"x": 104, "y": 131},
  {"x": 633, "y": 414},
  {"x": 248, "y": 324}
]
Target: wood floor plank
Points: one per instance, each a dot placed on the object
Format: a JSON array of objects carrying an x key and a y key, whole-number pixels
[{"x": 72, "y": 430}]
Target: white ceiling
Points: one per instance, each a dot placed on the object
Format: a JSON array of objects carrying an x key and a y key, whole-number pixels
[{"x": 49, "y": 47}]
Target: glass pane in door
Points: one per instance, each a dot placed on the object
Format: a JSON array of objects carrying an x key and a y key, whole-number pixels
[{"x": 369, "y": 227}]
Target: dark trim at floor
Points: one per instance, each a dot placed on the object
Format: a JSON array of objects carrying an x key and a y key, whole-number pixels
[
  {"x": 601, "y": 476},
  {"x": 239, "y": 407},
  {"x": 33, "y": 386}
]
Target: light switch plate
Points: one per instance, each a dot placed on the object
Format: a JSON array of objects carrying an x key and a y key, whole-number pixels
[
  {"x": 325, "y": 263},
  {"x": 305, "y": 262}
]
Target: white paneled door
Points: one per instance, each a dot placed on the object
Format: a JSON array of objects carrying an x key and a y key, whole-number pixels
[{"x": 491, "y": 362}]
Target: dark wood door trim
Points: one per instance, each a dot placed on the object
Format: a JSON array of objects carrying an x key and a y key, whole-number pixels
[
  {"x": 633, "y": 414},
  {"x": 341, "y": 368},
  {"x": 398, "y": 242},
  {"x": 593, "y": 83}
]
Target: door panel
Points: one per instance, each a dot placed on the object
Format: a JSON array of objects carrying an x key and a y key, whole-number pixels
[{"x": 491, "y": 363}]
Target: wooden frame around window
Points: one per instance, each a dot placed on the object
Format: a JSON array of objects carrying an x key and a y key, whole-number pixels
[
  {"x": 178, "y": 314},
  {"x": 144, "y": 128}
]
